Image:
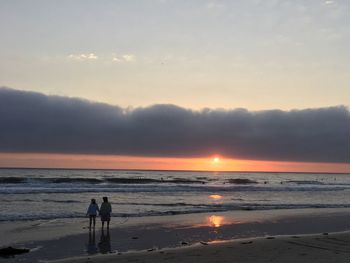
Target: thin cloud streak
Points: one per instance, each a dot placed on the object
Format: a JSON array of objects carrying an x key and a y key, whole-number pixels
[
  {"x": 83, "y": 57},
  {"x": 34, "y": 122},
  {"x": 123, "y": 58}
]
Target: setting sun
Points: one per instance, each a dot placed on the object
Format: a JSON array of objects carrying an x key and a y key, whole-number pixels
[{"x": 216, "y": 160}]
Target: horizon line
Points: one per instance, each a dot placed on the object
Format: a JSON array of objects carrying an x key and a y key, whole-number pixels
[{"x": 167, "y": 170}]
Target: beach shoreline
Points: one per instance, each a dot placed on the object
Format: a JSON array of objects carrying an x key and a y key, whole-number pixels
[
  {"x": 323, "y": 247},
  {"x": 73, "y": 239}
]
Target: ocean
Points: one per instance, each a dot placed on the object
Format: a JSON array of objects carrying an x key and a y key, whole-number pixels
[{"x": 34, "y": 194}]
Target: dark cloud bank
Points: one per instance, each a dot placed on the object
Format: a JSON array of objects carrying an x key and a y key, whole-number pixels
[{"x": 33, "y": 122}]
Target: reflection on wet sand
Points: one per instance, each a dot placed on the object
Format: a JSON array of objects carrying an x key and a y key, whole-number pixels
[
  {"x": 103, "y": 246},
  {"x": 91, "y": 247},
  {"x": 105, "y": 242},
  {"x": 215, "y": 221}
]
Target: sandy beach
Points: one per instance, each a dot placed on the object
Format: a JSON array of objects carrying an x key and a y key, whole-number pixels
[
  {"x": 315, "y": 248},
  {"x": 242, "y": 235}
]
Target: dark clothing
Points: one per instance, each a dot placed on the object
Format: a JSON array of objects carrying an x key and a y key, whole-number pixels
[{"x": 105, "y": 211}]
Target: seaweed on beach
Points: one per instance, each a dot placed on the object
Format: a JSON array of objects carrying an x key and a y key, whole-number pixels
[{"x": 10, "y": 251}]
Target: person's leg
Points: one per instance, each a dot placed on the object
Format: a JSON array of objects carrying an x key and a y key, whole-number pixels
[
  {"x": 107, "y": 224},
  {"x": 103, "y": 224},
  {"x": 94, "y": 220},
  {"x": 90, "y": 221}
]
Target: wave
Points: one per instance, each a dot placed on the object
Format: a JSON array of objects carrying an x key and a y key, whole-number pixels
[
  {"x": 70, "y": 180},
  {"x": 61, "y": 201},
  {"x": 241, "y": 181},
  {"x": 195, "y": 210},
  {"x": 165, "y": 189},
  {"x": 12, "y": 180},
  {"x": 301, "y": 182},
  {"x": 150, "y": 181},
  {"x": 74, "y": 180}
]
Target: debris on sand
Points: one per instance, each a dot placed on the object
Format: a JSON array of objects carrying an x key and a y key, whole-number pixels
[{"x": 11, "y": 251}]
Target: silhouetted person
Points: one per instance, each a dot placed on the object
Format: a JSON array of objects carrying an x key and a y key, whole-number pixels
[
  {"x": 92, "y": 212},
  {"x": 91, "y": 247},
  {"x": 105, "y": 212},
  {"x": 105, "y": 242}
]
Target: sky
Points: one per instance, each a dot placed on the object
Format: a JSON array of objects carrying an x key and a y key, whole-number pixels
[{"x": 263, "y": 82}]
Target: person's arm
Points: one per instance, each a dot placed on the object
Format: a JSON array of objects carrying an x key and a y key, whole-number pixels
[{"x": 87, "y": 212}]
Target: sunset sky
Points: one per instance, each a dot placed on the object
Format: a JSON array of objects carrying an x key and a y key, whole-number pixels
[{"x": 172, "y": 84}]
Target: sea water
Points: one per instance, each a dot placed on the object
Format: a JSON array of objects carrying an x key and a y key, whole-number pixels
[{"x": 31, "y": 194}]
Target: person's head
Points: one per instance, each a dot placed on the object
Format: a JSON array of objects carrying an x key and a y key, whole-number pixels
[
  {"x": 105, "y": 199},
  {"x": 93, "y": 201}
]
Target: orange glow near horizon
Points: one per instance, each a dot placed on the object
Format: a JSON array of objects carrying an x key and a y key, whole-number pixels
[{"x": 76, "y": 161}]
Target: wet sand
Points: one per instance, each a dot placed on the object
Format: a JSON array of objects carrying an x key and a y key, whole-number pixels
[
  {"x": 66, "y": 238},
  {"x": 316, "y": 248}
]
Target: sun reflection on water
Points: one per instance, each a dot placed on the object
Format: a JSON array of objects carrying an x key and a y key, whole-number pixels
[{"x": 215, "y": 197}]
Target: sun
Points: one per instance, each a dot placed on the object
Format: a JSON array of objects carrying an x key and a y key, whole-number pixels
[{"x": 216, "y": 160}]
